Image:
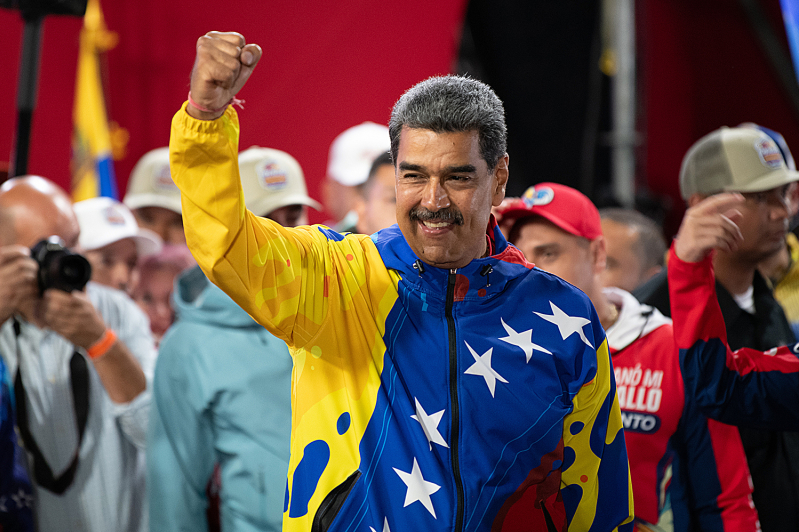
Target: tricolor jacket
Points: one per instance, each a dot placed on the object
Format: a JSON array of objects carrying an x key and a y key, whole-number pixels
[
  {"x": 422, "y": 399},
  {"x": 688, "y": 472}
]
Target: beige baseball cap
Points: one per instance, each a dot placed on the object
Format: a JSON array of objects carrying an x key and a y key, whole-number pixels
[
  {"x": 104, "y": 221},
  {"x": 151, "y": 185},
  {"x": 733, "y": 159},
  {"x": 354, "y": 150},
  {"x": 272, "y": 179}
]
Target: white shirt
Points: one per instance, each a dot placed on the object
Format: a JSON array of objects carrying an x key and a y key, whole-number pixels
[
  {"x": 108, "y": 492},
  {"x": 746, "y": 300}
]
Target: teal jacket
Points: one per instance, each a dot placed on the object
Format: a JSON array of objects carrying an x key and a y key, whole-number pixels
[{"x": 222, "y": 394}]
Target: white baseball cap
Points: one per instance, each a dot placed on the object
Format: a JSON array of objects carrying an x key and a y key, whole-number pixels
[
  {"x": 151, "y": 185},
  {"x": 353, "y": 152},
  {"x": 272, "y": 179},
  {"x": 104, "y": 221}
]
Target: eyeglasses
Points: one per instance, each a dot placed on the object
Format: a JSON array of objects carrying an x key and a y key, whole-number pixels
[{"x": 778, "y": 197}]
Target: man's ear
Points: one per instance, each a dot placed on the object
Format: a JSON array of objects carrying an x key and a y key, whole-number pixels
[
  {"x": 599, "y": 254},
  {"x": 501, "y": 175},
  {"x": 360, "y": 208},
  {"x": 696, "y": 198}
]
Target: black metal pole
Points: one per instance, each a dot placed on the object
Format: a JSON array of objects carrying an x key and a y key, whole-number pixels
[{"x": 26, "y": 93}]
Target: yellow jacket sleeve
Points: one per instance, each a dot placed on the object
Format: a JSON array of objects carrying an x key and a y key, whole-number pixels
[{"x": 253, "y": 259}]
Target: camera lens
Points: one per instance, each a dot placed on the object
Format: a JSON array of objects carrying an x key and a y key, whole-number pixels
[
  {"x": 73, "y": 271},
  {"x": 59, "y": 267}
]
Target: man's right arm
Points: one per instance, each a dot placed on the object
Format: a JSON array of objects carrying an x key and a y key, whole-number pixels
[
  {"x": 278, "y": 275},
  {"x": 745, "y": 387}
]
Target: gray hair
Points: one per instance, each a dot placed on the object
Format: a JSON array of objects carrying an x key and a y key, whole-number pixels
[
  {"x": 452, "y": 104},
  {"x": 650, "y": 246}
]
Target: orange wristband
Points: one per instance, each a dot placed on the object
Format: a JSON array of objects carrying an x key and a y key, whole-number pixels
[{"x": 101, "y": 346}]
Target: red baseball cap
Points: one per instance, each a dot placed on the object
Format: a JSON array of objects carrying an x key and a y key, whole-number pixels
[{"x": 564, "y": 206}]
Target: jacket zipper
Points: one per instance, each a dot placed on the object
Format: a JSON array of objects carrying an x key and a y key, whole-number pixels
[{"x": 453, "y": 392}]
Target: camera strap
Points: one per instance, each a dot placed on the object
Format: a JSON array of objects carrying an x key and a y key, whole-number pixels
[{"x": 79, "y": 381}]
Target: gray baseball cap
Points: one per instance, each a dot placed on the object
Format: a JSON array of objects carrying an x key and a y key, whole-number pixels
[{"x": 733, "y": 159}]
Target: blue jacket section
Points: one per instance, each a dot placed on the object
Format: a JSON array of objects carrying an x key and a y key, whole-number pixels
[
  {"x": 222, "y": 392},
  {"x": 16, "y": 497},
  {"x": 457, "y": 365}
]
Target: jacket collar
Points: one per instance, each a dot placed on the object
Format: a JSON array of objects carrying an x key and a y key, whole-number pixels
[{"x": 480, "y": 279}]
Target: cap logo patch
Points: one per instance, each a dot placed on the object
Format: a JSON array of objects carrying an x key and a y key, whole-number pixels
[
  {"x": 769, "y": 153},
  {"x": 113, "y": 216},
  {"x": 162, "y": 180},
  {"x": 538, "y": 196},
  {"x": 271, "y": 176}
]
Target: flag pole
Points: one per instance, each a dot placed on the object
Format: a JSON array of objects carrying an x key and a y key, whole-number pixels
[
  {"x": 33, "y": 14},
  {"x": 27, "y": 90}
]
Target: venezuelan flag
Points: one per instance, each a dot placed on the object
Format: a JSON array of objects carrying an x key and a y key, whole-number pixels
[{"x": 92, "y": 166}]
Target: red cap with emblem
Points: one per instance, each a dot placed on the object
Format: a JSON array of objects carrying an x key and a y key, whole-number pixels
[{"x": 564, "y": 206}]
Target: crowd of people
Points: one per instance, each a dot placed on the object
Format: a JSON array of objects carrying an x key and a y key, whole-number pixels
[{"x": 436, "y": 357}]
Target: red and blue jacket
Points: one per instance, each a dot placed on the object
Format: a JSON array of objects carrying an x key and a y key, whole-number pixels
[
  {"x": 746, "y": 387},
  {"x": 474, "y": 399},
  {"x": 689, "y": 473}
]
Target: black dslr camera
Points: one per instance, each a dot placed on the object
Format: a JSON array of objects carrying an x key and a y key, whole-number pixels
[{"x": 59, "y": 267}]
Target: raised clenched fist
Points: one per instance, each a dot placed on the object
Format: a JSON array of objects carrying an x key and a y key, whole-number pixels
[{"x": 223, "y": 64}]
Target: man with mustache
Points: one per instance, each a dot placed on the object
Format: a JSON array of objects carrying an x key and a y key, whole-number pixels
[{"x": 440, "y": 382}]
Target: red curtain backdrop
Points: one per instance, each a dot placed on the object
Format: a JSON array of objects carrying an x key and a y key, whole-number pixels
[
  {"x": 703, "y": 68},
  {"x": 326, "y": 66}
]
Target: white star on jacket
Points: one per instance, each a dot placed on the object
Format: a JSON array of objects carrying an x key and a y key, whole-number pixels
[
  {"x": 522, "y": 340},
  {"x": 482, "y": 367},
  {"x": 567, "y": 325},
  {"x": 22, "y": 499},
  {"x": 430, "y": 425},
  {"x": 418, "y": 488},
  {"x": 385, "y": 526}
]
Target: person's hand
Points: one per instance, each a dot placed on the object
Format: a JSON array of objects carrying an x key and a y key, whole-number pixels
[
  {"x": 223, "y": 64},
  {"x": 17, "y": 279},
  {"x": 73, "y": 316},
  {"x": 710, "y": 224}
]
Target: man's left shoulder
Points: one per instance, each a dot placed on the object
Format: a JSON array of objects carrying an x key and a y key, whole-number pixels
[{"x": 550, "y": 287}]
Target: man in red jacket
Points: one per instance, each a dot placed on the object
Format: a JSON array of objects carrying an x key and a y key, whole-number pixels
[
  {"x": 747, "y": 387},
  {"x": 688, "y": 472}
]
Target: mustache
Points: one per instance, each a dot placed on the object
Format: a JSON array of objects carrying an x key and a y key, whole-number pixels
[{"x": 448, "y": 215}]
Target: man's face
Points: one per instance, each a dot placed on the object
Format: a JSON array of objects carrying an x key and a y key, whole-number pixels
[
  {"x": 113, "y": 265},
  {"x": 554, "y": 250},
  {"x": 445, "y": 191},
  {"x": 290, "y": 215},
  {"x": 168, "y": 224},
  {"x": 624, "y": 269},
  {"x": 764, "y": 223},
  {"x": 378, "y": 209}
]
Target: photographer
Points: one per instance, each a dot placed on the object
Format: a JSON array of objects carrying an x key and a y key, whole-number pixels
[{"x": 81, "y": 362}]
